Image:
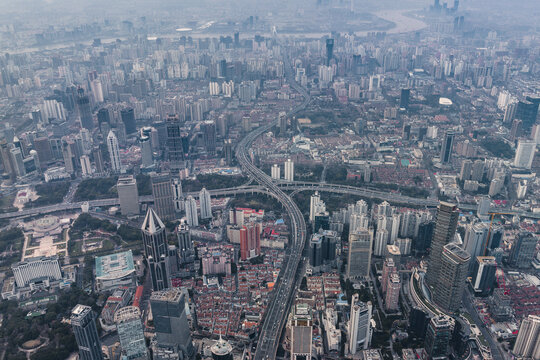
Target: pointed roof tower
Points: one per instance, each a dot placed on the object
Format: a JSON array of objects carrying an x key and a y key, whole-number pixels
[{"x": 152, "y": 223}]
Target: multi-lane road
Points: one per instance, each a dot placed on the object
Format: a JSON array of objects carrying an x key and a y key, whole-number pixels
[
  {"x": 279, "y": 304},
  {"x": 294, "y": 186}
]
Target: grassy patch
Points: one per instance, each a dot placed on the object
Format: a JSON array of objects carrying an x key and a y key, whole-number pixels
[
  {"x": 95, "y": 189},
  {"x": 213, "y": 181},
  {"x": 498, "y": 147},
  {"x": 50, "y": 193},
  {"x": 6, "y": 203}
]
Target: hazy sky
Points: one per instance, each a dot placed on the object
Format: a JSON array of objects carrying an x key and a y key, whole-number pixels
[{"x": 60, "y": 12}]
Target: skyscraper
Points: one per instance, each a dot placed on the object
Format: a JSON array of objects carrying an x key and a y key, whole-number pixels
[
  {"x": 391, "y": 300},
  {"x": 301, "y": 332},
  {"x": 329, "y": 50},
  {"x": 114, "y": 152},
  {"x": 185, "y": 244},
  {"x": 128, "y": 118},
  {"x": 423, "y": 240},
  {"x": 453, "y": 272},
  {"x": 438, "y": 335},
  {"x": 445, "y": 229},
  {"x": 525, "y": 153},
  {"x": 162, "y": 191},
  {"x": 276, "y": 172},
  {"x": 289, "y": 170},
  {"x": 205, "y": 204},
  {"x": 98, "y": 160},
  {"x": 209, "y": 136},
  {"x": 191, "y": 211},
  {"x": 155, "y": 249},
  {"x": 178, "y": 195},
  {"x": 282, "y": 121},
  {"x": 359, "y": 260},
  {"x": 523, "y": 248},
  {"x": 250, "y": 240},
  {"x": 130, "y": 332},
  {"x": 404, "y": 98},
  {"x": 447, "y": 147},
  {"x": 315, "y": 250},
  {"x": 83, "y": 323},
  {"x": 83, "y": 107},
  {"x": 128, "y": 195},
  {"x": 7, "y": 159},
  {"x": 389, "y": 267},
  {"x": 475, "y": 239},
  {"x": 228, "y": 151},
  {"x": 170, "y": 321},
  {"x": 528, "y": 340},
  {"x": 175, "y": 150},
  {"x": 359, "y": 324},
  {"x": 146, "y": 151},
  {"x": 526, "y": 111},
  {"x": 483, "y": 279}
]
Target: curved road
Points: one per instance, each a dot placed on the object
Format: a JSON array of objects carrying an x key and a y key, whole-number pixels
[{"x": 278, "y": 307}]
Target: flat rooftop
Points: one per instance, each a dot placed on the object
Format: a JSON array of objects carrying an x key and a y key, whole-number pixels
[{"x": 114, "y": 265}]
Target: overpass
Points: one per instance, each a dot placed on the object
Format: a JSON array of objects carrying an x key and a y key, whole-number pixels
[{"x": 294, "y": 186}]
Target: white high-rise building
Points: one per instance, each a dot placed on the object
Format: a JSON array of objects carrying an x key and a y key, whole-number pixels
[
  {"x": 361, "y": 207},
  {"x": 52, "y": 109},
  {"x": 178, "y": 197},
  {"x": 289, "y": 170},
  {"x": 214, "y": 88},
  {"x": 86, "y": 167},
  {"x": 128, "y": 195},
  {"x": 317, "y": 206},
  {"x": 528, "y": 340},
  {"x": 114, "y": 152},
  {"x": 276, "y": 172},
  {"x": 358, "y": 221},
  {"x": 384, "y": 209},
  {"x": 475, "y": 239},
  {"x": 525, "y": 153},
  {"x": 97, "y": 90},
  {"x": 191, "y": 211},
  {"x": 535, "y": 133},
  {"x": 381, "y": 239},
  {"x": 206, "y": 204},
  {"x": 396, "y": 219},
  {"x": 359, "y": 324}
]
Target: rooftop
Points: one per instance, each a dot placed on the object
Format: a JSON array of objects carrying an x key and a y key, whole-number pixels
[{"x": 114, "y": 265}]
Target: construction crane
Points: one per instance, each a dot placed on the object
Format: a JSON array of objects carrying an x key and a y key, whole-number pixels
[{"x": 489, "y": 231}]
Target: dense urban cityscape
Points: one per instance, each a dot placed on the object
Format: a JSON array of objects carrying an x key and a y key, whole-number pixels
[{"x": 311, "y": 179}]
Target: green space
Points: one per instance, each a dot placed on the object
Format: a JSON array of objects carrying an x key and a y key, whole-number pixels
[
  {"x": 13, "y": 239},
  {"x": 308, "y": 173},
  {"x": 6, "y": 203},
  {"x": 212, "y": 182},
  {"x": 498, "y": 147},
  {"x": 336, "y": 174},
  {"x": 483, "y": 340},
  {"x": 129, "y": 234},
  {"x": 18, "y": 329},
  {"x": 95, "y": 189},
  {"x": 86, "y": 222},
  {"x": 50, "y": 193},
  {"x": 256, "y": 201}
]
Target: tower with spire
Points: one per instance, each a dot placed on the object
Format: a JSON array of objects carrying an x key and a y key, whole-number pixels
[{"x": 155, "y": 249}]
